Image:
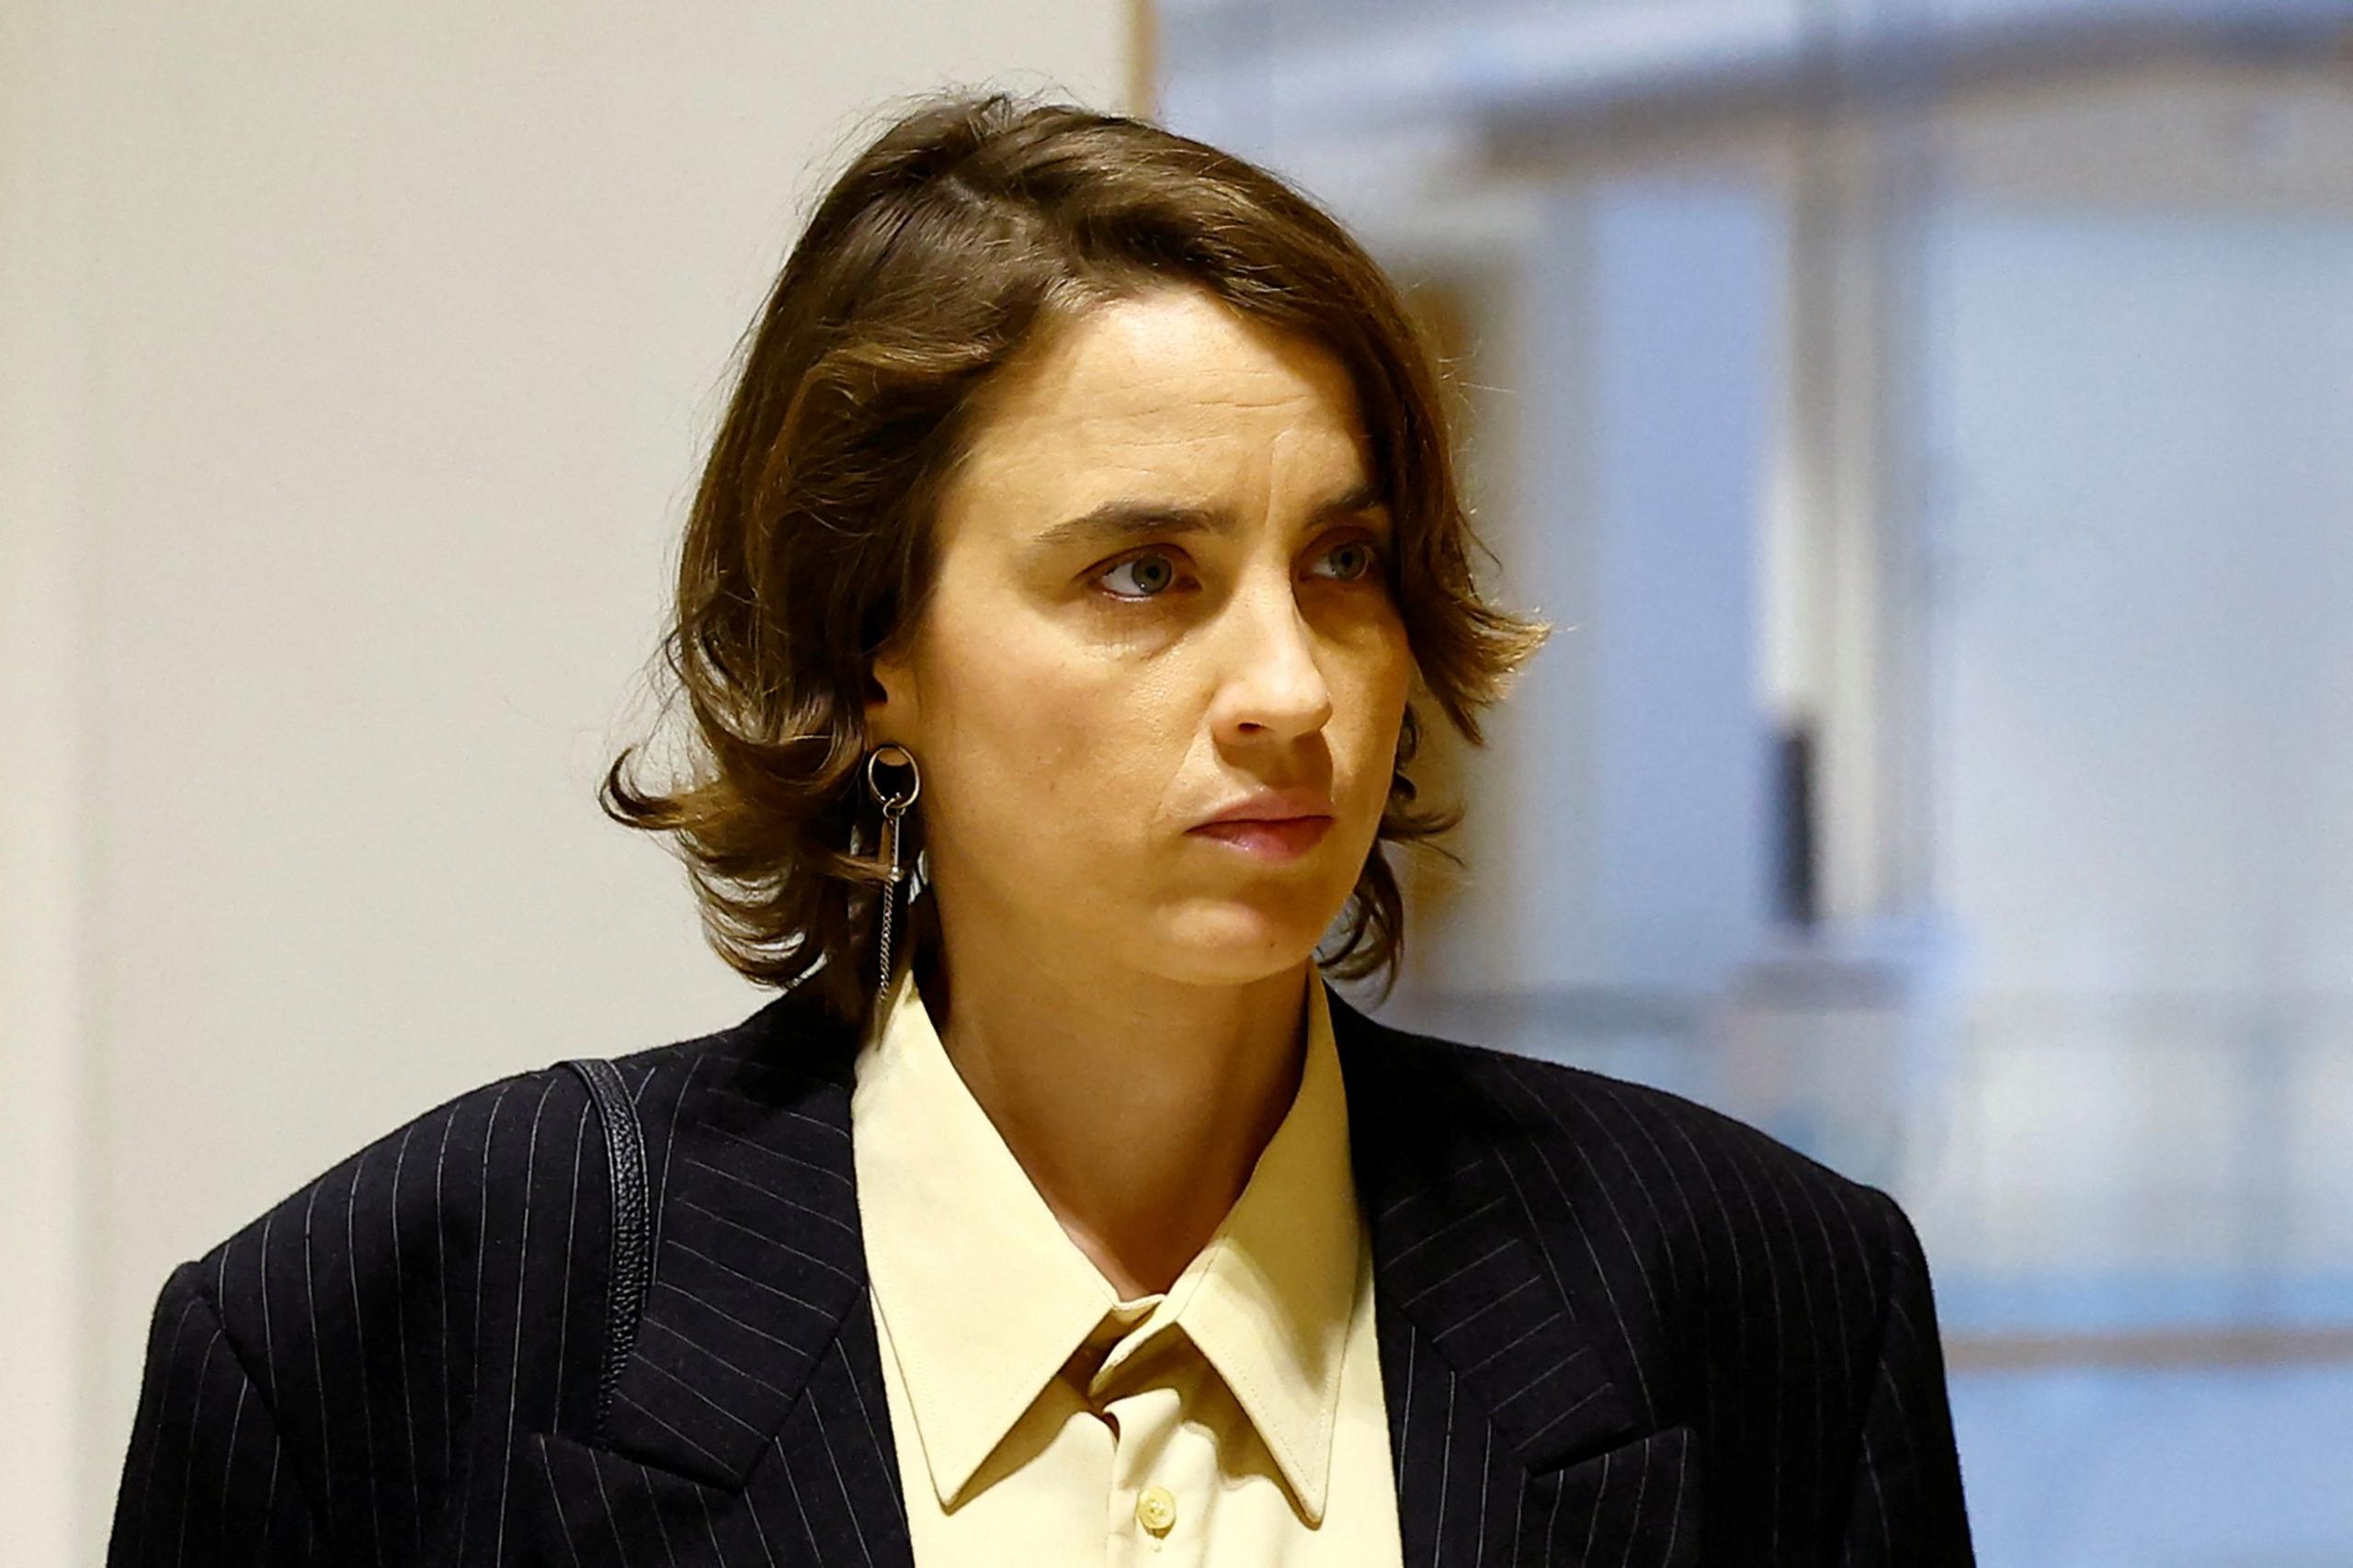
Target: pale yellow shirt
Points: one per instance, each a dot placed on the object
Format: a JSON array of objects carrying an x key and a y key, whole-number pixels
[{"x": 1235, "y": 1419}]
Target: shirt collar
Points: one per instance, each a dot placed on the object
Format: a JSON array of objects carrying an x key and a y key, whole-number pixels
[{"x": 986, "y": 1297}]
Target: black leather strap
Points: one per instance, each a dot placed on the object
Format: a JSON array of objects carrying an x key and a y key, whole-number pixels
[{"x": 633, "y": 1268}]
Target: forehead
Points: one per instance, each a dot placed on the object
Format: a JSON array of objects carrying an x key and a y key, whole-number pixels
[{"x": 1174, "y": 387}]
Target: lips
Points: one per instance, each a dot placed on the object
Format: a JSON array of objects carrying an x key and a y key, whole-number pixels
[{"x": 1284, "y": 838}]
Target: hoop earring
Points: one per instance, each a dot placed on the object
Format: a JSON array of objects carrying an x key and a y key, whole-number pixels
[{"x": 894, "y": 806}]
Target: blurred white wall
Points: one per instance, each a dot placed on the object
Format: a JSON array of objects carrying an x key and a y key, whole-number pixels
[
  {"x": 2146, "y": 682},
  {"x": 357, "y": 367}
]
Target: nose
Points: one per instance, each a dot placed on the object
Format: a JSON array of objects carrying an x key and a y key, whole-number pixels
[{"x": 1273, "y": 683}]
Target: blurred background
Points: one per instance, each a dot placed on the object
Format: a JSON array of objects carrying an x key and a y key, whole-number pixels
[{"x": 1930, "y": 423}]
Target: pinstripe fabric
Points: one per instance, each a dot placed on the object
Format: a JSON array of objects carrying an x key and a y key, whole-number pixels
[{"x": 1616, "y": 1328}]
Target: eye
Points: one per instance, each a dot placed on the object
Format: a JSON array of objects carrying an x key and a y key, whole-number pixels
[
  {"x": 1365, "y": 552},
  {"x": 1158, "y": 570}
]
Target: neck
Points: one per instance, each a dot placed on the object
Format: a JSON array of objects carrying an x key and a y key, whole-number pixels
[{"x": 1137, "y": 1106}]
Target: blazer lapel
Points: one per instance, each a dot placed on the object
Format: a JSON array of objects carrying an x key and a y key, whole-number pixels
[
  {"x": 750, "y": 1423},
  {"x": 1512, "y": 1440}
]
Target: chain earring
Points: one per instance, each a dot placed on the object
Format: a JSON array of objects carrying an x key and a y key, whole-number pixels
[{"x": 894, "y": 806}]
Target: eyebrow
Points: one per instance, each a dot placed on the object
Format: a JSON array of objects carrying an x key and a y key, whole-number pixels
[{"x": 1116, "y": 520}]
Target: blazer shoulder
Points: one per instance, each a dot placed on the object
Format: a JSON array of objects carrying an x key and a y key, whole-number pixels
[
  {"x": 1679, "y": 1181},
  {"x": 431, "y": 1209},
  {"x": 462, "y": 1255},
  {"x": 414, "y": 1204}
]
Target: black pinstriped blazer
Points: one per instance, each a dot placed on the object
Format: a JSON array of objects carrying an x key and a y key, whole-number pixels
[{"x": 1615, "y": 1327}]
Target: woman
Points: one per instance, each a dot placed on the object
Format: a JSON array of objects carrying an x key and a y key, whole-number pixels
[{"x": 1052, "y": 611}]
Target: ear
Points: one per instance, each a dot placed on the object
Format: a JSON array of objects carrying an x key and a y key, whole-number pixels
[{"x": 890, "y": 709}]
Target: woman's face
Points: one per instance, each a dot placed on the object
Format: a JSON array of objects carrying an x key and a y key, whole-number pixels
[{"x": 1161, "y": 590}]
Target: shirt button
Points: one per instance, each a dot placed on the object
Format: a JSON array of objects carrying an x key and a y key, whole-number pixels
[{"x": 1156, "y": 1509}]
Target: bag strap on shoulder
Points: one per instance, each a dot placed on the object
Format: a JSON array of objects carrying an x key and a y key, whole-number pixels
[{"x": 632, "y": 1268}]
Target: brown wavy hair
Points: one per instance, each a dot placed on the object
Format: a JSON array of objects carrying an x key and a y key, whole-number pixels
[{"x": 971, "y": 225}]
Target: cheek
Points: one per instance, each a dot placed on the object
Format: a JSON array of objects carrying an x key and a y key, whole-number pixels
[
  {"x": 1379, "y": 684},
  {"x": 1050, "y": 759}
]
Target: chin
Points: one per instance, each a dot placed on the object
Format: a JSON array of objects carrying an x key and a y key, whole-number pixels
[{"x": 1234, "y": 944}]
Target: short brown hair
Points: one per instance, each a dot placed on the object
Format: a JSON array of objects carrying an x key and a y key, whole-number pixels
[{"x": 970, "y": 224}]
